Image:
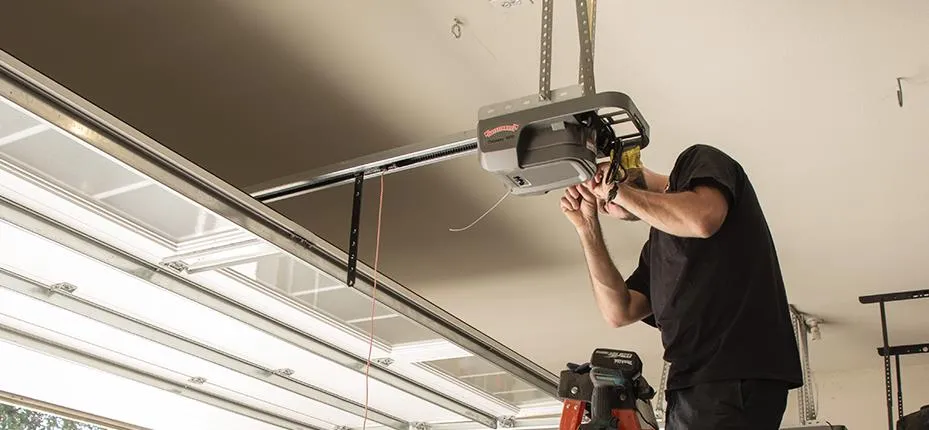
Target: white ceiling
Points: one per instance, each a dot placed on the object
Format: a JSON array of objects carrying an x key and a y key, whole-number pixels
[{"x": 801, "y": 92}]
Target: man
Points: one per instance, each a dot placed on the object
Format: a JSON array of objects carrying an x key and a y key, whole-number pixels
[{"x": 708, "y": 277}]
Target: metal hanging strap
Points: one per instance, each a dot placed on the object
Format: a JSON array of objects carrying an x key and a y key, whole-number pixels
[
  {"x": 586, "y": 29},
  {"x": 545, "y": 62}
]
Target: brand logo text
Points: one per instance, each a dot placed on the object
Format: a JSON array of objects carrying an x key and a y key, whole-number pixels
[{"x": 500, "y": 129}]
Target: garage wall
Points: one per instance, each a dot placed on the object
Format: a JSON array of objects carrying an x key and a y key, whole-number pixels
[{"x": 856, "y": 399}]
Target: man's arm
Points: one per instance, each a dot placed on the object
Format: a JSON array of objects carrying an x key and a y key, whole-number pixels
[
  {"x": 618, "y": 304},
  {"x": 698, "y": 213}
]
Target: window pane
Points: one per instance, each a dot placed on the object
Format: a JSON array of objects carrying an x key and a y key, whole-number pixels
[
  {"x": 485, "y": 376},
  {"x": 13, "y": 121},
  {"x": 166, "y": 213},
  {"x": 333, "y": 298},
  {"x": 395, "y": 330},
  {"x": 58, "y": 158}
]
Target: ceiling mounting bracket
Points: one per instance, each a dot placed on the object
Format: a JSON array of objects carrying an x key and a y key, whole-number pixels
[
  {"x": 586, "y": 29},
  {"x": 535, "y": 148},
  {"x": 352, "y": 271},
  {"x": 586, "y": 25},
  {"x": 545, "y": 59}
]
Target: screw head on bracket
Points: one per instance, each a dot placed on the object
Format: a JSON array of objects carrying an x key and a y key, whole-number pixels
[
  {"x": 284, "y": 372},
  {"x": 63, "y": 287},
  {"x": 198, "y": 380},
  {"x": 386, "y": 361},
  {"x": 507, "y": 422},
  {"x": 177, "y": 266}
]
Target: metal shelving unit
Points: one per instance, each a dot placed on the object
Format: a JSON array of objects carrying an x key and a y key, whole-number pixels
[{"x": 887, "y": 351}]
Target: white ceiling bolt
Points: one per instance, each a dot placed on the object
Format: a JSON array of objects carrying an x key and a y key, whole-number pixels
[{"x": 813, "y": 327}]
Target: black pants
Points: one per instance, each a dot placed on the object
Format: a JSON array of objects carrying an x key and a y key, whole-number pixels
[{"x": 728, "y": 405}]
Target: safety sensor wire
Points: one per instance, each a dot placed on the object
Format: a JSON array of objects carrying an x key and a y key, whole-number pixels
[{"x": 377, "y": 251}]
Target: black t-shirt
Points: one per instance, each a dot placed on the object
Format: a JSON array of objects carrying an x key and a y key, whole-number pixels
[{"x": 719, "y": 302}]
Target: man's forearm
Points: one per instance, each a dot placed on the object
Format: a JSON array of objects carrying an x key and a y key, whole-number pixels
[
  {"x": 610, "y": 291},
  {"x": 686, "y": 214}
]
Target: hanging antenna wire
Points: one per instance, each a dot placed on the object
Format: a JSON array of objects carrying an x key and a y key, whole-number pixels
[{"x": 482, "y": 215}]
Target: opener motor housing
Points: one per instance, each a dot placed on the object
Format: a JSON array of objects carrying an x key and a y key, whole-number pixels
[{"x": 537, "y": 146}]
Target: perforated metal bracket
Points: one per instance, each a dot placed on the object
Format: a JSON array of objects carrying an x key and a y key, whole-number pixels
[
  {"x": 419, "y": 426},
  {"x": 63, "y": 287},
  {"x": 586, "y": 16},
  {"x": 586, "y": 30},
  {"x": 351, "y": 272},
  {"x": 545, "y": 60},
  {"x": 529, "y": 102}
]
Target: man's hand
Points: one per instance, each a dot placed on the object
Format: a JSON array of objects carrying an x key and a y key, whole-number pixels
[
  {"x": 580, "y": 206},
  {"x": 600, "y": 190},
  {"x": 598, "y": 186}
]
